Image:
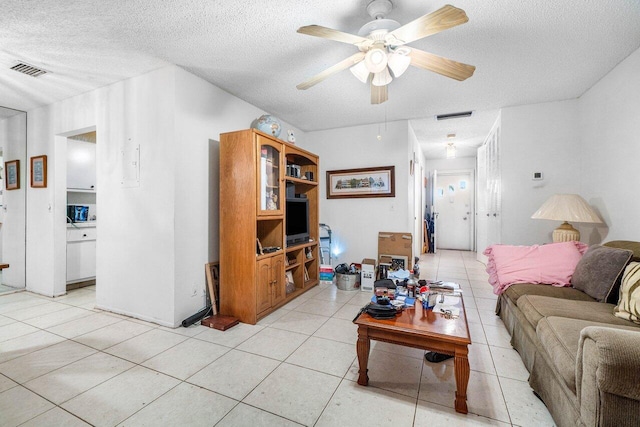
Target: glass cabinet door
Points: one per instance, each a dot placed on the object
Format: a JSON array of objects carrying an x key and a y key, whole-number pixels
[{"x": 270, "y": 179}]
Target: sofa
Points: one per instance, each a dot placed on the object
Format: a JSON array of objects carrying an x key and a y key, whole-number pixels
[{"x": 584, "y": 361}]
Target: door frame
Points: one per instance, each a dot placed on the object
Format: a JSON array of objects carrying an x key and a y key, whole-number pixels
[{"x": 472, "y": 205}]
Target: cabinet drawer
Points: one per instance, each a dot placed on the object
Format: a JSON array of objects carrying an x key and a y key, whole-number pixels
[{"x": 80, "y": 234}]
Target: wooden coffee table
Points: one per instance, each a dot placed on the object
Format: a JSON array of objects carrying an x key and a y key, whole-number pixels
[{"x": 423, "y": 329}]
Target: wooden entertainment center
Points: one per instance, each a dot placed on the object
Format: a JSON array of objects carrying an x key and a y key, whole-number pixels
[{"x": 254, "y": 257}]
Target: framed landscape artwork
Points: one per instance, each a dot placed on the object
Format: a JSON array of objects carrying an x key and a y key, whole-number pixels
[{"x": 365, "y": 182}]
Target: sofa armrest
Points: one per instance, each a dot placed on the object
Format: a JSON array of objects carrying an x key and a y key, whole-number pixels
[{"x": 607, "y": 368}]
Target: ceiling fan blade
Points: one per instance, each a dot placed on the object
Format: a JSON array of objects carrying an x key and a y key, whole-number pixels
[
  {"x": 379, "y": 94},
  {"x": 342, "y": 65},
  {"x": 438, "y": 64},
  {"x": 442, "y": 19},
  {"x": 331, "y": 34}
]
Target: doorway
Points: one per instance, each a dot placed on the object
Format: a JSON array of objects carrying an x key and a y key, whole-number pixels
[{"x": 454, "y": 209}]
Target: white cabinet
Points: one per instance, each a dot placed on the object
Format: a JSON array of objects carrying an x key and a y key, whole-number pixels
[
  {"x": 81, "y": 254},
  {"x": 81, "y": 165}
]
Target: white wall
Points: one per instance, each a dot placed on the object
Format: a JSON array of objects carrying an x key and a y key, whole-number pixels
[
  {"x": 459, "y": 163},
  {"x": 153, "y": 239},
  {"x": 12, "y": 141},
  {"x": 203, "y": 112},
  {"x": 356, "y": 222},
  {"x": 610, "y": 152},
  {"x": 536, "y": 138}
]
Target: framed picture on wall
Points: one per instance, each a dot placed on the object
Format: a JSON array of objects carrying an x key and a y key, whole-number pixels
[
  {"x": 39, "y": 172},
  {"x": 12, "y": 174},
  {"x": 365, "y": 182}
]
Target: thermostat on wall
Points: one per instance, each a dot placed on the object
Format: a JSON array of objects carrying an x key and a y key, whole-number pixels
[{"x": 537, "y": 176}]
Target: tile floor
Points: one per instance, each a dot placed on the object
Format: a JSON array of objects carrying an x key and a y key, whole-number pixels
[{"x": 64, "y": 363}]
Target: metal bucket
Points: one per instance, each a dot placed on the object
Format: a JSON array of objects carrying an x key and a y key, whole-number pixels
[{"x": 348, "y": 282}]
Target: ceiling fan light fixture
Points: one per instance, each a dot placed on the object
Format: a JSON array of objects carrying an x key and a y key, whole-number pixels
[
  {"x": 360, "y": 71},
  {"x": 376, "y": 60},
  {"x": 399, "y": 62},
  {"x": 382, "y": 78}
]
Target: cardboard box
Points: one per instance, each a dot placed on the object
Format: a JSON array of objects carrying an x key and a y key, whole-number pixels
[
  {"x": 367, "y": 274},
  {"x": 395, "y": 244}
]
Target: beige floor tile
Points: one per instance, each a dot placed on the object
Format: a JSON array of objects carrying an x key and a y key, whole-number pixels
[
  {"x": 69, "y": 381},
  {"x": 484, "y": 397},
  {"x": 186, "y": 358},
  {"x": 111, "y": 335},
  {"x": 489, "y": 317},
  {"x": 234, "y": 374},
  {"x": 356, "y": 405},
  {"x": 120, "y": 397},
  {"x": 26, "y": 344},
  {"x": 319, "y": 307},
  {"x": 472, "y": 315},
  {"x": 399, "y": 350},
  {"x": 273, "y": 343},
  {"x": 303, "y": 323},
  {"x": 184, "y": 405},
  {"x": 8, "y": 304},
  {"x": 341, "y": 330},
  {"x": 245, "y": 415},
  {"x": 334, "y": 294},
  {"x": 430, "y": 414},
  {"x": 145, "y": 346},
  {"x": 231, "y": 337},
  {"x": 6, "y": 383},
  {"x": 84, "y": 325},
  {"x": 485, "y": 303},
  {"x": 391, "y": 372},
  {"x": 30, "y": 405},
  {"x": 6, "y": 320},
  {"x": 32, "y": 365},
  {"x": 497, "y": 336},
  {"x": 36, "y": 310},
  {"x": 361, "y": 298},
  {"x": 190, "y": 331},
  {"x": 508, "y": 363},
  {"x": 480, "y": 359},
  {"x": 295, "y": 393},
  {"x": 437, "y": 383},
  {"x": 268, "y": 320},
  {"x": 58, "y": 317},
  {"x": 348, "y": 311},
  {"x": 477, "y": 333},
  {"x": 55, "y": 417},
  {"x": 485, "y": 292},
  {"x": 524, "y": 408},
  {"x": 14, "y": 330},
  {"x": 324, "y": 355}
]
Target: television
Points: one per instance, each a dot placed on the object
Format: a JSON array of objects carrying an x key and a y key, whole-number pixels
[{"x": 297, "y": 221}]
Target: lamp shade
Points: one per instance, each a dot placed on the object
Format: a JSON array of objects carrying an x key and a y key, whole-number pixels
[
  {"x": 360, "y": 71},
  {"x": 567, "y": 207},
  {"x": 376, "y": 60},
  {"x": 382, "y": 78},
  {"x": 399, "y": 62}
]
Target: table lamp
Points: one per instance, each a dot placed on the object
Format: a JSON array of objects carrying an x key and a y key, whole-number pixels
[{"x": 566, "y": 207}]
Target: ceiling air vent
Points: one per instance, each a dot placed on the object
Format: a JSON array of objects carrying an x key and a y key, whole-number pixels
[
  {"x": 454, "y": 115},
  {"x": 28, "y": 70}
]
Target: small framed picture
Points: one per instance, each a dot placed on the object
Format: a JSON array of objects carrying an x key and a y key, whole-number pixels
[
  {"x": 39, "y": 172},
  {"x": 12, "y": 174}
]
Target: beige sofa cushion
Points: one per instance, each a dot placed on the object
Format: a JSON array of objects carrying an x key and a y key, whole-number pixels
[
  {"x": 559, "y": 338},
  {"x": 514, "y": 292},
  {"x": 535, "y": 307}
]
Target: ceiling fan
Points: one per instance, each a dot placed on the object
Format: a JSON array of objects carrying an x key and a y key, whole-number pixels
[{"x": 383, "y": 52}]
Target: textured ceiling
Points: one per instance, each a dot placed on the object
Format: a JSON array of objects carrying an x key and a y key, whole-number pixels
[{"x": 525, "y": 52}]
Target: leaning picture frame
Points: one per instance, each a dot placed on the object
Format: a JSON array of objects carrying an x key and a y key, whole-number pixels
[
  {"x": 12, "y": 174},
  {"x": 39, "y": 171},
  {"x": 360, "y": 183}
]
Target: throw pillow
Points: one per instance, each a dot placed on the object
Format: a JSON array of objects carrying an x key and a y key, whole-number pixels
[
  {"x": 629, "y": 303},
  {"x": 599, "y": 271},
  {"x": 551, "y": 264}
]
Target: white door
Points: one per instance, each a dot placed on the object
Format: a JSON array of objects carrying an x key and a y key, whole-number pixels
[
  {"x": 482, "y": 203},
  {"x": 434, "y": 209},
  {"x": 454, "y": 205}
]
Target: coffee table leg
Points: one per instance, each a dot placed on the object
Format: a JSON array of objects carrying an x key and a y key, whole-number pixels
[
  {"x": 461, "y": 363},
  {"x": 362, "y": 348}
]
